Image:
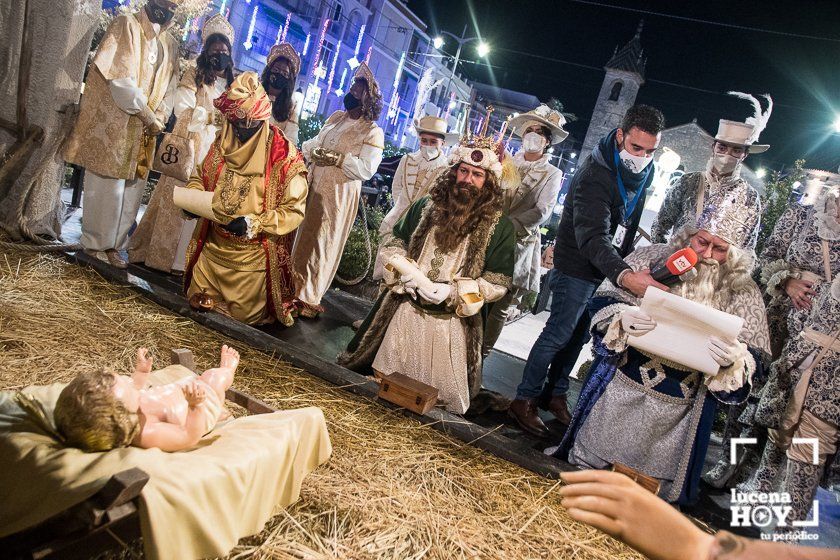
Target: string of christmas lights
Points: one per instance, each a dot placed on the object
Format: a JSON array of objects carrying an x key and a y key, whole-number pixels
[
  {"x": 340, "y": 91},
  {"x": 248, "y": 44},
  {"x": 285, "y": 28},
  {"x": 332, "y": 67},
  {"x": 320, "y": 47}
]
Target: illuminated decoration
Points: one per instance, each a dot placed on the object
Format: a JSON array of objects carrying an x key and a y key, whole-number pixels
[
  {"x": 310, "y": 102},
  {"x": 186, "y": 30},
  {"x": 393, "y": 108},
  {"x": 320, "y": 72},
  {"x": 282, "y": 37},
  {"x": 370, "y": 51},
  {"x": 222, "y": 7},
  {"x": 399, "y": 70},
  {"x": 248, "y": 44},
  {"x": 306, "y": 44},
  {"x": 340, "y": 91},
  {"x": 354, "y": 60},
  {"x": 452, "y": 104},
  {"x": 359, "y": 40},
  {"x": 332, "y": 68},
  {"x": 320, "y": 47}
]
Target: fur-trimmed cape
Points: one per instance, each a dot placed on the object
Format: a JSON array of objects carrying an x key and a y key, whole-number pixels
[{"x": 489, "y": 256}]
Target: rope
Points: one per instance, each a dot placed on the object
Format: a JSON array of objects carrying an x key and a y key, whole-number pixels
[{"x": 368, "y": 249}]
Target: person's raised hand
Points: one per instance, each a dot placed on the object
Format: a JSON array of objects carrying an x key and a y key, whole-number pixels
[
  {"x": 800, "y": 292},
  {"x": 638, "y": 282},
  {"x": 636, "y": 322},
  {"x": 616, "y": 505},
  {"x": 194, "y": 394}
]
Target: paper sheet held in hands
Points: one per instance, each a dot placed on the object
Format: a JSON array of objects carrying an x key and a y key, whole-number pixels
[
  {"x": 407, "y": 268},
  {"x": 683, "y": 328},
  {"x": 194, "y": 201}
]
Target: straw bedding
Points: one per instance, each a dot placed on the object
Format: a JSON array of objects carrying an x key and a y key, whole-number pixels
[{"x": 393, "y": 488}]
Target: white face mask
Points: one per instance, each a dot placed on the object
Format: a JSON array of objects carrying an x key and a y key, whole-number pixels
[
  {"x": 723, "y": 164},
  {"x": 635, "y": 164},
  {"x": 430, "y": 152},
  {"x": 533, "y": 142}
]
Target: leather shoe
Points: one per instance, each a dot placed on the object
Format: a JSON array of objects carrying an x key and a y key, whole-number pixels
[
  {"x": 559, "y": 408},
  {"x": 525, "y": 414},
  {"x": 115, "y": 259}
]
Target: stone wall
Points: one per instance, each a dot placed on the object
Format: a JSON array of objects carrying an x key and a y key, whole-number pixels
[
  {"x": 607, "y": 114},
  {"x": 60, "y": 33}
]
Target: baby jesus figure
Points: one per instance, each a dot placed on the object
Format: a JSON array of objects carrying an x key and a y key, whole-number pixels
[{"x": 102, "y": 410}]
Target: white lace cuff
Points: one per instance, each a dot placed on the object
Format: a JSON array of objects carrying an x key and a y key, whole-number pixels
[
  {"x": 732, "y": 378},
  {"x": 253, "y": 226},
  {"x": 775, "y": 274}
]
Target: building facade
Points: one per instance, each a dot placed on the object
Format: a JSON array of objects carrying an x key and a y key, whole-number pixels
[
  {"x": 625, "y": 73},
  {"x": 333, "y": 37}
]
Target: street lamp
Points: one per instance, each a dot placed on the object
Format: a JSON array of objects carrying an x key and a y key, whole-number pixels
[
  {"x": 760, "y": 172},
  {"x": 483, "y": 50},
  {"x": 437, "y": 42},
  {"x": 837, "y": 124}
]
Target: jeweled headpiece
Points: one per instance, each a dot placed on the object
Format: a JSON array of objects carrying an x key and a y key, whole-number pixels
[
  {"x": 217, "y": 24},
  {"x": 287, "y": 51},
  {"x": 364, "y": 72},
  {"x": 480, "y": 151},
  {"x": 731, "y": 219}
]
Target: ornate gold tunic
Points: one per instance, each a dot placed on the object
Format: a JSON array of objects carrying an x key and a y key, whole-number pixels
[{"x": 107, "y": 140}]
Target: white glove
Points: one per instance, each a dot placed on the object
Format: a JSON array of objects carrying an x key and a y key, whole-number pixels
[
  {"x": 725, "y": 352},
  {"x": 438, "y": 295},
  {"x": 636, "y": 322},
  {"x": 409, "y": 285}
]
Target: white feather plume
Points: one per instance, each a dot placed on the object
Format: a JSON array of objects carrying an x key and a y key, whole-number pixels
[
  {"x": 759, "y": 118},
  {"x": 424, "y": 89}
]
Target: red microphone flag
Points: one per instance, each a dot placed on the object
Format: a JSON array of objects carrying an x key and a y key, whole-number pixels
[{"x": 681, "y": 261}]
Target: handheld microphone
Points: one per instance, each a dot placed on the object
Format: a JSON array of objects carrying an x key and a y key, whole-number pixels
[{"x": 677, "y": 264}]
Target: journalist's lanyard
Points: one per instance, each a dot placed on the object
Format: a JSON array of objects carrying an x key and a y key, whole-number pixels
[{"x": 623, "y": 192}]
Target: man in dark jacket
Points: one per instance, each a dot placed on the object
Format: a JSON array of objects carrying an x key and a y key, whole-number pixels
[{"x": 600, "y": 218}]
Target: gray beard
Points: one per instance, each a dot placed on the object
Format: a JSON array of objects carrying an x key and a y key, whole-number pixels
[{"x": 706, "y": 287}]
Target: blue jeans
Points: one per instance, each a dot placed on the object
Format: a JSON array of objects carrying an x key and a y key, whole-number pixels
[{"x": 560, "y": 342}]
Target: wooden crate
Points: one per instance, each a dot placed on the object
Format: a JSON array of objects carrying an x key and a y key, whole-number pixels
[
  {"x": 408, "y": 393},
  {"x": 647, "y": 482}
]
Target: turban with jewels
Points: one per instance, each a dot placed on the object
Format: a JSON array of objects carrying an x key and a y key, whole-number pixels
[{"x": 245, "y": 100}]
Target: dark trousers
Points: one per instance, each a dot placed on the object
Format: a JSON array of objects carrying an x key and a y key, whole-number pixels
[{"x": 561, "y": 340}]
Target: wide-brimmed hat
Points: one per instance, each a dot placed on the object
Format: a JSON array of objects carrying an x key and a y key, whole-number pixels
[
  {"x": 217, "y": 24},
  {"x": 745, "y": 134},
  {"x": 287, "y": 51},
  {"x": 544, "y": 116},
  {"x": 436, "y": 126}
]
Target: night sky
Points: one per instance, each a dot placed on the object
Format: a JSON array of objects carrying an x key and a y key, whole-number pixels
[{"x": 802, "y": 75}]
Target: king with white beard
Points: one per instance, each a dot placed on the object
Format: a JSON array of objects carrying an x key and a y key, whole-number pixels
[{"x": 647, "y": 412}]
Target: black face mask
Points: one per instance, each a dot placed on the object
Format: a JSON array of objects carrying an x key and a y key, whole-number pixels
[
  {"x": 219, "y": 61},
  {"x": 350, "y": 102},
  {"x": 245, "y": 134},
  {"x": 159, "y": 14},
  {"x": 279, "y": 82}
]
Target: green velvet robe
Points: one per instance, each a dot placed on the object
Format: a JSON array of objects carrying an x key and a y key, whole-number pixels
[{"x": 490, "y": 255}]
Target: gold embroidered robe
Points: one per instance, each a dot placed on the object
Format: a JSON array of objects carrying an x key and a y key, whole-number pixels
[{"x": 106, "y": 140}]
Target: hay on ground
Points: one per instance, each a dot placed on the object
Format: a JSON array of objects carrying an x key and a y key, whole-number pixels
[{"x": 392, "y": 489}]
